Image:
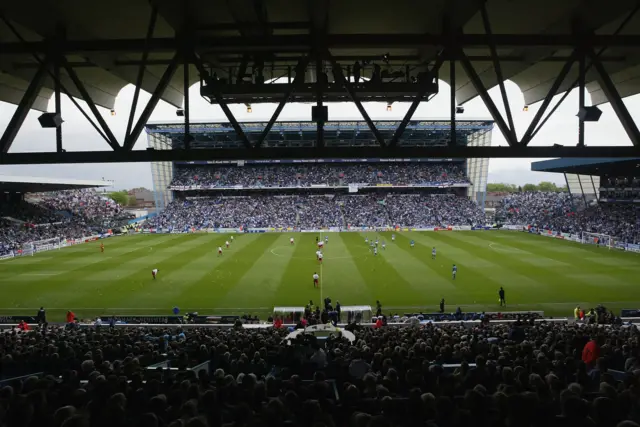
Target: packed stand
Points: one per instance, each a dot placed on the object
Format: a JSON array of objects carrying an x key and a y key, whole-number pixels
[
  {"x": 319, "y": 174},
  {"x": 619, "y": 220},
  {"x": 87, "y": 203},
  {"x": 535, "y": 207},
  {"x": 555, "y": 211},
  {"x": 314, "y": 211},
  {"x": 520, "y": 374},
  {"x": 434, "y": 210}
]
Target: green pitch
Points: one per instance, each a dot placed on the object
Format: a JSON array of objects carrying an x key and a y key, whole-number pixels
[{"x": 260, "y": 271}]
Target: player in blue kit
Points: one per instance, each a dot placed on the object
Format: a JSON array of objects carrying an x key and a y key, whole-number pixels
[
  {"x": 433, "y": 253},
  {"x": 377, "y": 242},
  {"x": 375, "y": 251},
  {"x": 384, "y": 245},
  {"x": 454, "y": 271},
  {"x": 366, "y": 240},
  {"x": 393, "y": 237},
  {"x": 412, "y": 243},
  {"x": 326, "y": 239}
]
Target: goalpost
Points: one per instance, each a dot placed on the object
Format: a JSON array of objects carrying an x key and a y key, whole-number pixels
[
  {"x": 47, "y": 244},
  {"x": 597, "y": 238}
]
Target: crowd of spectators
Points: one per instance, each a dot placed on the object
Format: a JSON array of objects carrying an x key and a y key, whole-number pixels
[
  {"x": 312, "y": 211},
  {"x": 522, "y": 373},
  {"x": 63, "y": 214},
  {"x": 86, "y": 203},
  {"x": 319, "y": 174},
  {"x": 561, "y": 212}
]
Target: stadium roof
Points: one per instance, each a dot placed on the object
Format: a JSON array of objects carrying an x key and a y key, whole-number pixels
[
  {"x": 104, "y": 40},
  {"x": 337, "y": 133},
  {"x": 598, "y": 166},
  {"x": 35, "y": 184}
]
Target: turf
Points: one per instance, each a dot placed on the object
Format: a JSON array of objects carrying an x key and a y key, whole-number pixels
[{"x": 261, "y": 271}]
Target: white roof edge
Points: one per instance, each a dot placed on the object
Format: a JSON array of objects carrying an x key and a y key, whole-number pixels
[{"x": 60, "y": 181}]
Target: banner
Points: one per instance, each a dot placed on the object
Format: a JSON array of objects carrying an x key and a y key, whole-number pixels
[
  {"x": 17, "y": 319},
  {"x": 288, "y": 161},
  {"x": 7, "y": 256},
  {"x": 443, "y": 229}
]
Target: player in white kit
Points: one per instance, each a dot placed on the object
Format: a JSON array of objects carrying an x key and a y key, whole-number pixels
[
  {"x": 320, "y": 244},
  {"x": 320, "y": 257},
  {"x": 227, "y": 244},
  {"x": 154, "y": 273},
  {"x": 291, "y": 240},
  {"x": 219, "y": 250},
  {"x": 315, "y": 280},
  {"x": 231, "y": 239}
]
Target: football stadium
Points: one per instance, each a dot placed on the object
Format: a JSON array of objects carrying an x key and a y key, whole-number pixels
[{"x": 321, "y": 271}]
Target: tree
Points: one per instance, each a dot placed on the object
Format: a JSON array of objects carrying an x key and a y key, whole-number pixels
[
  {"x": 120, "y": 197},
  {"x": 548, "y": 187},
  {"x": 132, "y": 201},
  {"x": 529, "y": 187},
  {"x": 501, "y": 188}
]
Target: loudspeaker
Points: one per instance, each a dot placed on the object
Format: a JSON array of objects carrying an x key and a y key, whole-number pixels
[
  {"x": 459, "y": 109},
  {"x": 320, "y": 114},
  {"x": 50, "y": 120},
  {"x": 180, "y": 112},
  {"x": 589, "y": 114}
]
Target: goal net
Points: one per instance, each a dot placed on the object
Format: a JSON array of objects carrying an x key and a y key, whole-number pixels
[
  {"x": 47, "y": 244},
  {"x": 598, "y": 239}
]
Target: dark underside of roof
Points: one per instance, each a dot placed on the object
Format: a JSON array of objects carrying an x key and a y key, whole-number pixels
[
  {"x": 239, "y": 37},
  {"x": 596, "y": 166}
]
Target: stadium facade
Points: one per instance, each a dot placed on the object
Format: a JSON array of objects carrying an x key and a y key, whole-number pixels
[{"x": 302, "y": 134}]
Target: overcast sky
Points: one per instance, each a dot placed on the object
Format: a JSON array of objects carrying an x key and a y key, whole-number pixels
[{"x": 79, "y": 135}]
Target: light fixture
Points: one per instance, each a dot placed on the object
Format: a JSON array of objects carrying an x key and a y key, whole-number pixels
[
  {"x": 459, "y": 109},
  {"x": 389, "y": 106},
  {"x": 525, "y": 108},
  {"x": 180, "y": 112},
  {"x": 113, "y": 112},
  {"x": 249, "y": 109}
]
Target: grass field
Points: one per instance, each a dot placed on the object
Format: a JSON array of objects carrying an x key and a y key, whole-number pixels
[{"x": 261, "y": 271}]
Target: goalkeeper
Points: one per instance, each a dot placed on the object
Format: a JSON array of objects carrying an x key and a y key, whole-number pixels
[{"x": 501, "y": 299}]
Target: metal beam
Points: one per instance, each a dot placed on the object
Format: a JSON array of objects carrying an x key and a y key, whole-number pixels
[
  {"x": 614, "y": 98},
  {"x": 123, "y": 156},
  {"x": 23, "y": 108},
  {"x": 498, "y": 70},
  {"x": 111, "y": 139},
  {"x": 301, "y": 69},
  {"x": 57, "y": 102},
  {"x": 141, "y": 68},
  {"x": 422, "y": 91},
  {"x": 319, "y": 103},
  {"x": 232, "y": 119},
  {"x": 339, "y": 77},
  {"x": 582, "y": 82},
  {"x": 131, "y": 139},
  {"x": 488, "y": 102},
  {"x": 303, "y": 43},
  {"x": 528, "y": 135},
  {"x": 452, "y": 99}
]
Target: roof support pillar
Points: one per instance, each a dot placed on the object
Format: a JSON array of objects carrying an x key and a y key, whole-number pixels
[
  {"x": 582, "y": 76},
  {"x": 339, "y": 76},
  {"x": 616, "y": 101},
  {"x": 301, "y": 68},
  {"x": 320, "y": 117},
  {"x": 423, "y": 87},
  {"x": 131, "y": 139},
  {"x": 498, "y": 69},
  {"x": 141, "y": 68},
  {"x": 453, "y": 138},
  {"x": 488, "y": 102},
  {"x": 23, "y": 108},
  {"x": 528, "y": 135},
  {"x": 111, "y": 139}
]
